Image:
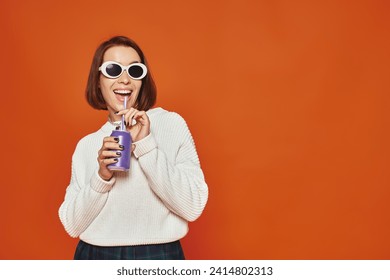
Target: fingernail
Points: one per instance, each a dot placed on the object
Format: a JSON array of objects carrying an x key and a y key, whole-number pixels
[
  {"x": 125, "y": 123},
  {"x": 116, "y": 160},
  {"x": 121, "y": 147},
  {"x": 116, "y": 128},
  {"x": 116, "y": 139},
  {"x": 118, "y": 153}
]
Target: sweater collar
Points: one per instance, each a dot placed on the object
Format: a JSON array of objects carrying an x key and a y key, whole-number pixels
[{"x": 108, "y": 127}]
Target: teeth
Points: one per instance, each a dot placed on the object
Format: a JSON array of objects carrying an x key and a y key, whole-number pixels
[{"x": 122, "y": 91}]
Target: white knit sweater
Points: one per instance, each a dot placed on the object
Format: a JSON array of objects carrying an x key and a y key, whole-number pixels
[{"x": 150, "y": 204}]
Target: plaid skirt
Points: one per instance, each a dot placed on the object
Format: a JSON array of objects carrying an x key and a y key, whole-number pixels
[{"x": 165, "y": 251}]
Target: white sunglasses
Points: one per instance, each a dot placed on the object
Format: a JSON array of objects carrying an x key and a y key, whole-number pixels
[{"x": 112, "y": 70}]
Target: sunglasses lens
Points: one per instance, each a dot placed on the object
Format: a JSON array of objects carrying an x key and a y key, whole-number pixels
[
  {"x": 113, "y": 70},
  {"x": 136, "y": 71}
]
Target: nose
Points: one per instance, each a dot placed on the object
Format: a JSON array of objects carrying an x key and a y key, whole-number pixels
[{"x": 124, "y": 78}]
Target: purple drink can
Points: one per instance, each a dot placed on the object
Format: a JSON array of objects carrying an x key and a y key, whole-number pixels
[{"x": 123, "y": 163}]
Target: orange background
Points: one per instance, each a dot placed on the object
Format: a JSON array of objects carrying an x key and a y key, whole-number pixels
[{"x": 288, "y": 102}]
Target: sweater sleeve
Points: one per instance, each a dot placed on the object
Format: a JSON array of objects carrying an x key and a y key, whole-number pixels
[
  {"x": 179, "y": 184},
  {"x": 84, "y": 199}
]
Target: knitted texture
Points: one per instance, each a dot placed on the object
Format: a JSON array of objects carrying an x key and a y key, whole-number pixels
[{"x": 152, "y": 203}]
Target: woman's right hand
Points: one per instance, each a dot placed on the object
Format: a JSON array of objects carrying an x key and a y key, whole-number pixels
[{"x": 107, "y": 155}]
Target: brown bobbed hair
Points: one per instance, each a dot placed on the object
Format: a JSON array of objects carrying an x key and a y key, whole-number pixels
[{"x": 148, "y": 92}]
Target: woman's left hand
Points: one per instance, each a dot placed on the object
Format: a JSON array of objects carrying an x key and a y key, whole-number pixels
[{"x": 141, "y": 128}]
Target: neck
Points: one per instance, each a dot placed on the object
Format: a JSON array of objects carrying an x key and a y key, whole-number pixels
[
  {"x": 112, "y": 117},
  {"x": 115, "y": 121}
]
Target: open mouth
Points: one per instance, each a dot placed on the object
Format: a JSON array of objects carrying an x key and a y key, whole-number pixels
[{"x": 122, "y": 92}]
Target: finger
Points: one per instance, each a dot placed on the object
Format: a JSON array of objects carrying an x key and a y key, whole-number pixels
[
  {"x": 112, "y": 146},
  {"x": 110, "y": 154},
  {"x": 107, "y": 139},
  {"x": 110, "y": 139},
  {"x": 129, "y": 116},
  {"x": 142, "y": 117},
  {"x": 107, "y": 161},
  {"x": 121, "y": 112}
]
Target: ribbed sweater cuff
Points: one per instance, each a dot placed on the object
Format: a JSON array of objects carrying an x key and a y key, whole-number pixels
[
  {"x": 100, "y": 185},
  {"x": 144, "y": 146}
]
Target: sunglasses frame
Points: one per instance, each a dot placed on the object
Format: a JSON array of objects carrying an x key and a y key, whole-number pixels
[{"x": 103, "y": 67}]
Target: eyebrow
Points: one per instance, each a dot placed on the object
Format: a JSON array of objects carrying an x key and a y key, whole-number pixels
[{"x": 135, "y": 61}]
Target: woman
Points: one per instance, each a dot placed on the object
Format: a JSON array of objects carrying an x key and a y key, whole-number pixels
[{"x": 142, "y": 213}]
